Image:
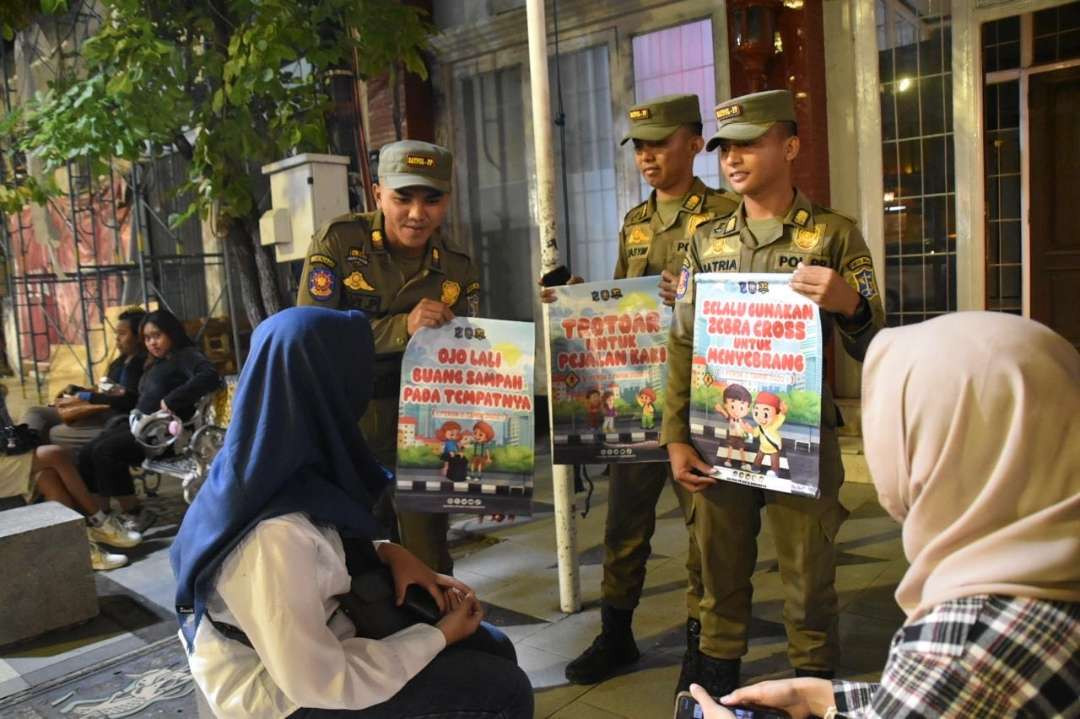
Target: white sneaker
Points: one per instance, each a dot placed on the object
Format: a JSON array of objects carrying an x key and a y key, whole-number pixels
[
  {"x": 104, "y": 561},
  {"x": 112, "y": 532}
]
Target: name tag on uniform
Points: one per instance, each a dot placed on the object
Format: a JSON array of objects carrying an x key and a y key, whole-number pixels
[
  {"x": 369, "y": 302},
  {"x": 788, "y": 262},
  {"x": 730, "y": 264}
]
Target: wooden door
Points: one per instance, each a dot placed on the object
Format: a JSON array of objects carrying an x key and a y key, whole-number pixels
[{"x": 1054, "y": 132}]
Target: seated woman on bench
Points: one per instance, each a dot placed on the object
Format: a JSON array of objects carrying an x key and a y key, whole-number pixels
[
  {"x": 123, "y": 374},
  {"x": 264, "y": 556},
  {"x": 177, "y": 376}
]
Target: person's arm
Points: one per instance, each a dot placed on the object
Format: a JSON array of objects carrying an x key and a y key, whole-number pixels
[
  {"x": 676, "y": 424},
  {"x": 687, "y": 466},
  {"x": 202, "y": 380},
  {"x": 271, "y": 588},
  {"x": 391, "y": 333},
  {"x": 468, "y": 301},
  {"x": 124, "y": 402},
  {"x": 320, "y": 281},
  {"x": 128, "y": 376},
  {"x": 852, "y": 698},
  {"x": 857, "y": 269},
  {"x": 620, "y": 260}
]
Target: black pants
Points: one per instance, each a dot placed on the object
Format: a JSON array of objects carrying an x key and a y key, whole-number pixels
[
  {"x": 105, "y": 462},
  {"x": 477, "y": 678}
]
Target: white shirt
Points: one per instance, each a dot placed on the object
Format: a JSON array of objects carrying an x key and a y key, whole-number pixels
[{"x": 278, "y": 585}]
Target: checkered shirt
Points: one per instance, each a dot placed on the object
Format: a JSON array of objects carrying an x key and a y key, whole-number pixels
[{"x": 981, "y": 656}]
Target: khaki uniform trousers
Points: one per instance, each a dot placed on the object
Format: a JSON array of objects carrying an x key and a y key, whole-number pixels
[
  {"x": 631, "y": 520},
  {"x": 726, "y": 522}
]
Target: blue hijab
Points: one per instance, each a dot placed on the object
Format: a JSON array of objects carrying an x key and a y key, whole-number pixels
[{"x": 293, "y": 445}]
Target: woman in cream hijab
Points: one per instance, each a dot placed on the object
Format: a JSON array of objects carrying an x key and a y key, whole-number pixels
[{"x": 971, "y": 426}]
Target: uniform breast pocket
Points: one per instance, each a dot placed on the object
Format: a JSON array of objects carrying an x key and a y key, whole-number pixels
[{"x": 637, "y": 266}]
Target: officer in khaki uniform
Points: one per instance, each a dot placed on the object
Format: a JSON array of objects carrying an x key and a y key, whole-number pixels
[
  {"x": 394, "y": 265},
  {"x": 774, "y": 229},
  {"x": 666, "y": 133}
]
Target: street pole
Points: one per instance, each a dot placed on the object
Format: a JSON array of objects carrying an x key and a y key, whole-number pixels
[{"x": 562, "y": 481}]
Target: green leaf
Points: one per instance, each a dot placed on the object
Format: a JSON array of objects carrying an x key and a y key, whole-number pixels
[
  {"x": 119, "y": 84},
  {"x": 53, "y": 7}
]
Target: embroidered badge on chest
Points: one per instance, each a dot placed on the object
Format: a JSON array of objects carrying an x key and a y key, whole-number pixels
[
  {"x": 638, "y": 237},
  {"x": 450, "y": 292},
  {"x": 357, "y": 282},
  {"x": 356, "y": 256},
  {"x": 321, "y": 283},
  {"x": 809, "y": 239}
]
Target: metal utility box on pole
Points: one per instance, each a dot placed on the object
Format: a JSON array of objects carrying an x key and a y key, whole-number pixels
[
  {"x": 562, "y": 481},
  {"x": 305, "y": 191}
]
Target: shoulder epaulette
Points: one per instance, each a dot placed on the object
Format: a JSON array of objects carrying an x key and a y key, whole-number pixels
[
  {"x": 636, "y": 213},
  {"x": 725, "y": 224},
  {"x": 819, "y": 210}
]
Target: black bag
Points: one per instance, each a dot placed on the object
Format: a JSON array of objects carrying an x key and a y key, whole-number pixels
[
  {"x": 370, "y": 603},
  {"x": 19, "y": 439}
]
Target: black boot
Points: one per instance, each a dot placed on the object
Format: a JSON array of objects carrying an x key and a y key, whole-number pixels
[
  {"x": 719, "y": 677},
  {"x": 690, "y": 663},
  {"x": 612, "y": 650},
  {"x": 816, "y": 673}
]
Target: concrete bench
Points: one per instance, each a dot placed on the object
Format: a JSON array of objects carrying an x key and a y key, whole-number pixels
[{"x": 45, "y": 559}]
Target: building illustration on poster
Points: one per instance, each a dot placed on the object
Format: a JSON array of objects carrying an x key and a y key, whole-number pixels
[
  {"x": 608, "y": 371},
  {"x": 465, "y": 419},
  {"x": 755, "y": 382}
]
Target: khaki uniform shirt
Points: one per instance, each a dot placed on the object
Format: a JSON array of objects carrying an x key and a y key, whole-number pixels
[
  {"x": 349, "y": 267},
  {"x": 648, "y": 246},
  {"x": 810, "y": 234}
]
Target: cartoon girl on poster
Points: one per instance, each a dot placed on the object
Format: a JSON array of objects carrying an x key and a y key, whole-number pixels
[
  {"x": 646, "y": 398},
  {"x": 482, "y": 434},
  {"x": 609, "y": 412}
]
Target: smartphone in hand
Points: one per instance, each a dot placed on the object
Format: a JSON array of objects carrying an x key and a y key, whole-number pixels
[{"x": 686, "y": 707}]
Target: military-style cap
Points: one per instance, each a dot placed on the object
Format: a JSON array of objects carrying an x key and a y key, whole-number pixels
[
  {"x": 412, "y": 163},
  {"x": 747, "y": 118},
  {"x": 656, "y": 119}
]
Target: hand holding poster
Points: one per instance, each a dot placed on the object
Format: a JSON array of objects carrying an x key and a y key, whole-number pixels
[
  {"x": 465, "y": 418},
  {"x": 755, "y": 397},
  {"x": 608, "y": 371}
]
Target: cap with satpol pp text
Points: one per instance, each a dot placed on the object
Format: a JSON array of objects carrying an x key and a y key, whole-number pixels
[
  {"x": 412, "y": 163},
  {"x": 746, "y": 118},
  {"x": 656, "y": 119}
]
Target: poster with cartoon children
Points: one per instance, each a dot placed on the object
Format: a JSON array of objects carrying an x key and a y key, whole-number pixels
[
  {"x": 755, "y": 381},
  {"x": 608, "y": 371},
  {"x": 465, "y": 419}
]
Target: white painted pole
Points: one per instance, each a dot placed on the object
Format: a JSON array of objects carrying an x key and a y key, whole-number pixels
[{"x": 563, "y": 483}]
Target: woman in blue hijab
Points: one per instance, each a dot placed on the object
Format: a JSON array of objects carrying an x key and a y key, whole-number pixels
[{"x": 260, "y": 560}]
